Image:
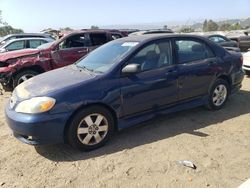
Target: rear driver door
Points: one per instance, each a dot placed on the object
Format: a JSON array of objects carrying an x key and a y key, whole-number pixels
[{"x": 197, "y": 66}]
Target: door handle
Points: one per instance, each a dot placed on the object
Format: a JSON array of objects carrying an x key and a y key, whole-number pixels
[
  {"x": 83, "y": 51},
  {"x": 171, "y": 72},
  {"x": 212, "y": 63}
]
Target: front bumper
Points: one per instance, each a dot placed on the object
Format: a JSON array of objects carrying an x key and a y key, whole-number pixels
[{"x": 37, "y": 129}]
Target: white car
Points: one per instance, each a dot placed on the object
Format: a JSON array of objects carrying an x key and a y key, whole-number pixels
[{"x": 246, "y": 63}]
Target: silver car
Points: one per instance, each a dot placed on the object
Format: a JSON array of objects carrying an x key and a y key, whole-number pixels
[{"x": 23, "y": 43}]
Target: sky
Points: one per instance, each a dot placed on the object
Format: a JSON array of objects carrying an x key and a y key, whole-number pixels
[{"x": 35, "y": 15}]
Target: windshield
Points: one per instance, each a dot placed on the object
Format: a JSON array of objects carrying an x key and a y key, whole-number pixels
[
  {"x": 44, "y": 46},
  {"x": 104, "y": 57}
]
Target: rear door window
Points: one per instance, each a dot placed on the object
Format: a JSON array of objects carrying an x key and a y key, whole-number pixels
[
  {"x": 16, "y": 45},
  {"x": 36, "y": 43},
  {"x": 98, "y": 38},
  {"x": 192, "y": 50}
]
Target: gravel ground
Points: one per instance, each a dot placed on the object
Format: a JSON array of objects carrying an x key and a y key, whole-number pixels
[{"x": 145, "y": 156}]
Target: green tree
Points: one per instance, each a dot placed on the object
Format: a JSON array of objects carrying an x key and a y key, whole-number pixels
[
  {"x": 6, "y": 30},
  {"x": 187, "y": 30},
  {"x": 94, "y": 27},
  {"x": 165, "y": 27},
  {"x": 66, "y": 29},
  {"x": 235, "y": 26},
  {"x": 205, "y": 26},
  {"x": 210, "y": 26},
  {"x": 225, "y": 27}
]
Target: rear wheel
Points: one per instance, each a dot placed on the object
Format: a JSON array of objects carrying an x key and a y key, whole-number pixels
[
  {"x": 218, "y": 94},
  {"x": 90, "y": 128},
  {"x": 23, "y": 76}
]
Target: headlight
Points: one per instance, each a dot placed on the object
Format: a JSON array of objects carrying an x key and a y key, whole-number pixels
[{"x": 36, "y": 105}]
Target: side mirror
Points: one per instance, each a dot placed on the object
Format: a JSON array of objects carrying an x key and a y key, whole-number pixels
[{"x": 131, "y": 69}]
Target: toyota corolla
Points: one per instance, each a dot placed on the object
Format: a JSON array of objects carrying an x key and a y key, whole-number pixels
[{"x": 121, "y": 84}]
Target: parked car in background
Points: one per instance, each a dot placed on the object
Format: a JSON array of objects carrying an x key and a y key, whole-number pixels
[
  {"x": 18, "y": 66},
  {"x": 23, "y": 43},
  {"x": 246, "y": 63},
  {"x": 113, "y": 33},
  {"x": 224, "y": 42},
  {"x": 24, "y": 35},
  {"x": 121, "y": 84},
  {"x": 243, "y": 42},
  {"x": 152, "y": 31}
]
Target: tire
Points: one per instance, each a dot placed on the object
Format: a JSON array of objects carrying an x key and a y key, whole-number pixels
[
  {"x": 7, "y": 87},
  {"x": 22, "y": 76},
  {"x": 218, "y": 94},
  {"x": 90, "y": 128}
]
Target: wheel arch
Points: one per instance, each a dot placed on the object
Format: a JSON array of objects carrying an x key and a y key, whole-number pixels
[
  {"x": 226, "y": 78},
  {"x": 36, "y": 68},
  {"x": 81, "y": 107}
]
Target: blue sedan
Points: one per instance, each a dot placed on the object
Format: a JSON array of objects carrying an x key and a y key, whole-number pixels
[{"x": 121, "y": 84}]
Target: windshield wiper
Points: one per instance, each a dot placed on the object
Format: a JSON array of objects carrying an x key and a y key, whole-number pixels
[
  {"x": 85, "y": 68},
  {"x": 100, "y": 72}
]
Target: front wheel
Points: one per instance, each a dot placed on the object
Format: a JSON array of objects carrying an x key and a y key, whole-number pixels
[
  {"x": 218, "y": 94},
  {"x": 23, "y": 76},
  {"x": 90, "y": 128}
]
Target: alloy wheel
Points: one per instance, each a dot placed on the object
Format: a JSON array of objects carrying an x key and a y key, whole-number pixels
[
  {"x": 219, "y": 95},
  {"x": 24, "y": 78},
  {"x": 92, "y": 129}
]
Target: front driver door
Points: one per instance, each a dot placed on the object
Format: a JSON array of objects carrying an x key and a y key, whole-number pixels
[
  {"x": 156, "y": 85},
  {"x": 70, "y": 50}
]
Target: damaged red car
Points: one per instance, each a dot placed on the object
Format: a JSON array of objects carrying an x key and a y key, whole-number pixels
[{"x": 18, "y": 66}]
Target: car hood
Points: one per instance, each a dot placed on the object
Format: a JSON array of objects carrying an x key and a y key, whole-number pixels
[
  {"x": 52, "y": 81},
  {"x": 19, "y": 53}
]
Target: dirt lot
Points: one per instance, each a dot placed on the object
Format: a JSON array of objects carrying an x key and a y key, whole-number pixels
[{"x": 145, "y": 156}]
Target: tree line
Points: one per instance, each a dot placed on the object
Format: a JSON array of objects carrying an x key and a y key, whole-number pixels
[
  {"x": 6, "y": 29},
  {"x": 210, "y": 25}
]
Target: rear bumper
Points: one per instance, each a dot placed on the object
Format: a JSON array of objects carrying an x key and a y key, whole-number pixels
[
  {"x": 37, "y": 129},
  {"x": 246, "y": 67},
  {"x": 237, "y": 80}
]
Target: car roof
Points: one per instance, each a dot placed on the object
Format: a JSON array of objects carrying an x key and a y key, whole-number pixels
[
  {"x": 25, "y": 34},
  {"x": 28, "y": 38},
  {"x": 28, "y": 34},
  {"x": 150, "y": 37},
  {"x": 214, "y": 35},
  {"x": 31, "y": 38},
  {"x": 152, "y": 31}
]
